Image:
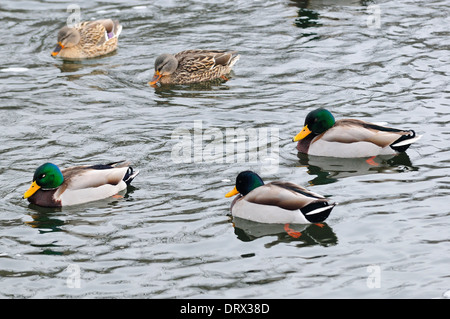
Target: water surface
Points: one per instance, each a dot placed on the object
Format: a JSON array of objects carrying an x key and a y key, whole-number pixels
[{"x": 171, "y": 235}]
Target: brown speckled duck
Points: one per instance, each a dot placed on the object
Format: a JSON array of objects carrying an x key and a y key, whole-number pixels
[
  {"x": 193, "y": 66},
  {"x": 88, "y": 39},
  {"x": 52, "y": 187}
]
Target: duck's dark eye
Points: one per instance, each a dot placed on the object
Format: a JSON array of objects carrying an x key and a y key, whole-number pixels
[{"x": 41, "y": 176}]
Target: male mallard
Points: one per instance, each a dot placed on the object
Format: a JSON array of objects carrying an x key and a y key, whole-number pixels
[
  {"x": 323, "y": 136},
  {"x": 52, "y": 187},
  {"x": 276, "y": 202},
  {"x": 88, "y": 39},
  {"x": 193, "y": 66}
]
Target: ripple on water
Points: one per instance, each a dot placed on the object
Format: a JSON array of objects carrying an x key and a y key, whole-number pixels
[{"x": 171, "y": 235}]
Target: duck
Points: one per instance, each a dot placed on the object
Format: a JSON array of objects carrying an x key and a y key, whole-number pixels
[
  {"x": 322, "y": 135},
  {"x": 276, "y": 202},
  {"x": 193, "y": 66},
  {"x": 88, "y": 39},
  {"x": 53, "y": 187}
]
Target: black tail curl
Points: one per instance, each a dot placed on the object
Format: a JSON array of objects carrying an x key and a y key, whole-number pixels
[
  {"x": 402, "y": 138},
  {"x": 317, "y": 211},
  {"x": 130, "y": 175}
]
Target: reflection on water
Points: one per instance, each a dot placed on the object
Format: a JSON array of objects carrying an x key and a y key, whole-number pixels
[
  {"x": 201, "y": 86},
  {"x": 307, "y": 18},
  {"x": 74, "y": 66},
  {"x": 161, "y": 241},
  {"x": 329, "y": 170},
  {"x": 304, "y": 235},
  {"x": 320, "y": 4},
  {"x": 46, "y": 220},
  {"x": 43, "y": 219}
]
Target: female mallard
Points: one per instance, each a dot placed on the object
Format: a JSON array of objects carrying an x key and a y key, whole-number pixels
[
  {"x": 323, "y": 136},
  {"x": 88, "y": 39},
  {"x": 192, "y": 66},
  {"x": 276, "y": 202},
  {"x": 52, "y": 187}
]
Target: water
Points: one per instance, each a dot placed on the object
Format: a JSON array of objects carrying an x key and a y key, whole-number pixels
[{"x": 171, "y": 235}]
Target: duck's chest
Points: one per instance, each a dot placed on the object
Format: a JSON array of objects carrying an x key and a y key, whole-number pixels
[
  {"x": 304, "y": 144},
  {"x": 45, "y": 198}
]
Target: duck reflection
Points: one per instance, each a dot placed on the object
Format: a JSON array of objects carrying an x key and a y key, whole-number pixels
[
  {"x": 70, "y": 66},
  {"x": 308, "y": 14},
  {"x": 75, "y": 65},
  {"x": 44, "y": 220},
  {"x": 307, "y": 18},
  {"x": 329, "y": 170},
  {"x": 193, "y": 90},
  {"x": 320, "y": 4},
  {"x": 76, "y": 69},
  {"x": 306, "y": 235}
]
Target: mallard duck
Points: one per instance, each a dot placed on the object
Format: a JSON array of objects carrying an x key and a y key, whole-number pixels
[
  {"x": 276, "y": 202},
  {"x": 192, "y": 66},
  {"x": 323, "y": 136},
  {"x": 52, "y": 187},
  {"x": 88, "y": 39}
]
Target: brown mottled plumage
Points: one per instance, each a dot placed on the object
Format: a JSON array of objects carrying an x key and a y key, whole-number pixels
[
  {"x": 88, "y": 39},
  {"x": 193, "y": 66}
]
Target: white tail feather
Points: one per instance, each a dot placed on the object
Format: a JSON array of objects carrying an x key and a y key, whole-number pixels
[
  {"x": 234, "y": 60},
  {"x": 319, "y": 210},
  {"x": 408, "y": 141}
]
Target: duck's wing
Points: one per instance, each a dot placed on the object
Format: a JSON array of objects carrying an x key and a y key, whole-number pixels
[
  {"x": 89, "y": 183},
  {"x": 283, "y": 194},
  {"x": 96, "y": 33},
  {"x": 352, "y": 131},
  {"x": 202, "y": 60},
  {"x": 82, "y": 177},
  {"x": 112, "y": 27}
]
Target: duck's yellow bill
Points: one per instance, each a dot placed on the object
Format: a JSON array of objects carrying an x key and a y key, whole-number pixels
[
  {"x": 58, "y": 48},
  {"x": 304, "y": 133},
  {"x": 155, "y": 78},
  {"x": 33, "y": 188},
  {"x": 232, "y": 193}
]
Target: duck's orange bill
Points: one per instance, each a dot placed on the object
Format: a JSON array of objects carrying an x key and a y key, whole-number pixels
[
  {"x": 58, "y": 48},
  {"x": 304, "y": 133},
  {"x": 232, "y": 193},
  {"x": 33, "y": 189},
  {"x": 155, "y": 78}
]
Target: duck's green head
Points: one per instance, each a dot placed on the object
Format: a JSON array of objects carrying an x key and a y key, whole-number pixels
[
  {"x": 316, "y": 122},
  {"x": 46, "y": 176},
  {"x": 246, "y": 182}
]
